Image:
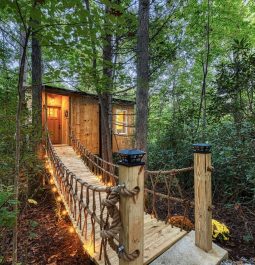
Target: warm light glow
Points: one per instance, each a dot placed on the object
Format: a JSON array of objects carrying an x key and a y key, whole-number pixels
[
  {"x": 109, "y": 184},
  {"x": 71, "y": 230},
  {"x": 121, "y": 121},
  {"x": 99, "y": 177},
  {"x": 64, "y": 212},
  {"x": 54, "y": 189},
  {"x": 89, "y": 248},
  {"x": 51, "y": 181},
  {"x": 52, "y": 112},
  {"x": 58, "y": 199},
  {"x": 51, "y": 100}
]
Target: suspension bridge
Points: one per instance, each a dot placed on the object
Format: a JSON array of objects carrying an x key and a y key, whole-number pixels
[{"x": 105, "y": 203}]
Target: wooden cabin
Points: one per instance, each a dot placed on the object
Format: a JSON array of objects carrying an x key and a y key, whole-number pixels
[{"x": 80, "y": 111}]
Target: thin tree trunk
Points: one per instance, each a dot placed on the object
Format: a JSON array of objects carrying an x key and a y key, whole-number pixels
[
  {"x": 142, "y": 92},
  {"x": 36, "y": 89},
  {"x": 205, "y": 65},
  {"x": 21, "y": 100},
  {"x": 103, "y": 94}
]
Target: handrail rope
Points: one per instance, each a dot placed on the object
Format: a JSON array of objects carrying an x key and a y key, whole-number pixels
[
  {"x": 155, "y": 172},
  {"x": 170, "y": 172},
  {"x": 95, "y": 163},
  {"x": 109, "y": 230},
  {"x": 164, "y": 173}
]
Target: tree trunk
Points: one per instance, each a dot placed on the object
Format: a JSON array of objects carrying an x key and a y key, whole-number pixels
[
  {"x": 103, "y": 90},
  {"x": 106, "y": 149},
  {"x": 36, "y": 90},
  {"x": 142, "y": 92},
  {"x": 21, "y": 103},
  {"x": 105, "y": 96}
]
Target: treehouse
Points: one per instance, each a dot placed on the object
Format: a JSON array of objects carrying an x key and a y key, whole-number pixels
[{"x": 80, "y": 111}]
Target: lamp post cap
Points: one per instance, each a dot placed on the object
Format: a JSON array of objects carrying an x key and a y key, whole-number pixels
[
  {"x": 131, "y": 157},
  {"x": 202, "y": 148},
  {"x": 131, "y": 152}
]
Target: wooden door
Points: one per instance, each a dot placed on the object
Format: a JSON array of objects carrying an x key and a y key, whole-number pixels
[{"x": 54, "y": 124}]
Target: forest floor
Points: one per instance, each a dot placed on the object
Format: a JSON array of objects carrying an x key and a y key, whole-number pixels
[
  {"x": 45, "y": 239},
  {"x": 239, "y": 219},
  {"x": 241, "y": 223}
]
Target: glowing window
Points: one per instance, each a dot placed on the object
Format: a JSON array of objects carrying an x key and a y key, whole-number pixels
[
  {"x": 121, "y": 121},
  {"x": 52, "y": 112}
]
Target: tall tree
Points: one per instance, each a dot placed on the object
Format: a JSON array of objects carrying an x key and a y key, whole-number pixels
[
  {"x": 104, "y": 95},
  {"x": 142, "y": 92},
  {"x": 36, "y": 82},
  {"x": 21, "y": 100}
]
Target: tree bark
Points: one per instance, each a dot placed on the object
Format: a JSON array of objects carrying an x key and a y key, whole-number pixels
[
  {"x": 21, "y": 103},
  {"x": 142, "y": 92},
  {"x": 104, "y": 95},
  {"x": 104, "y": 88},
  {"x": 36, "y": 89}
]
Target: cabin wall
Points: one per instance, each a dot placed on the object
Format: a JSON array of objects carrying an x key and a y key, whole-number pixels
[
  {"x": 82, "y": 112},
  {"x": 123, "y": 140},
  {"x": 85, "y": 121}
]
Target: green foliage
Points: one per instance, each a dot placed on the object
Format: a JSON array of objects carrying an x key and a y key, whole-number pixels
[
  {"x": 230, "y": 126},
  {"x": 7, "y": 215}
]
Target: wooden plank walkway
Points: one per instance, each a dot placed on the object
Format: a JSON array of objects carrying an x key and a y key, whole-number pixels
[{"x": 158, "y": 236}]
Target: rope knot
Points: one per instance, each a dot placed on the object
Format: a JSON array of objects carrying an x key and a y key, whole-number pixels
[{"x": 112, "y": 230}]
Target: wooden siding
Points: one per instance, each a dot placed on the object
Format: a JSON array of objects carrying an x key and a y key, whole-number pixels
[
  {"x": 85, "y": 121},
  {"x": 123, "y": 141}
]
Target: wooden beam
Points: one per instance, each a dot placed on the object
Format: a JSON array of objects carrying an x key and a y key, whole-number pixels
[
  {"x": 132, "y": 213},
  {"x": 203, "y": 196}
]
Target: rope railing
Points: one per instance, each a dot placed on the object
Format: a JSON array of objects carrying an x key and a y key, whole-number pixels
[
  {"x": 101, "y": 210},
  {"x": 171, "y": 194},
  {"x": 107, "y": 172},
  {"x": 164, "y": 186}
]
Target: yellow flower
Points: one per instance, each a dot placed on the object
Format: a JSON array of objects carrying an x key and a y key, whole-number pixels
[
  {"x": 31, "y": 201},
  {"x": 219, "y": 230}
]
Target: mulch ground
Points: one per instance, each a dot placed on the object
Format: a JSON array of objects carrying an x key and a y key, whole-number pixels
[
  {"x": 45, "y": 239},
  {"x": 241, "y": 222}
]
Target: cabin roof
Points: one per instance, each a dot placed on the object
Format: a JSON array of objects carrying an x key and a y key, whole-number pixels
[{"x": 65, "y": 91}]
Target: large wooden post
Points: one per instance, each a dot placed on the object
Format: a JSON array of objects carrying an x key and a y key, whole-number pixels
[
  {"x": 132, "y": 210},
  {"x": 203, "y": 196}
]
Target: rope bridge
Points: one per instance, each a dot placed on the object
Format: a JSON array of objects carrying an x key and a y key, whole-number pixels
[
  {"x": 76, "y": 195},
  {"x": 172, "y": 194},
  {"x": 104, "y": 170},
  {"x": 90, "y": 191}
]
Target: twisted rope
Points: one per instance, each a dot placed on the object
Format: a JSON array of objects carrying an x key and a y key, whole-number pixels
[{"x": 112, "y": 230}]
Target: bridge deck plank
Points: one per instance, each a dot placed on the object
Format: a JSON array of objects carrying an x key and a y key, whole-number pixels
[{"x": 158, "y": 236}]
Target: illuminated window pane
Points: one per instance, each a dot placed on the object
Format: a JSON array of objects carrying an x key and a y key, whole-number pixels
[
  {"x": 121, "y": 122},
  {"x": 52, "y": 112}
]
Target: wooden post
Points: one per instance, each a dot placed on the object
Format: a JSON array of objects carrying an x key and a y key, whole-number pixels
[
  {"x": 203, "y": 196},
  {"x": 132, "y": 211}
]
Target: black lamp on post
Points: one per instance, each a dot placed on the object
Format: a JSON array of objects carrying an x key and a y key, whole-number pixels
[
  {"x": 202, "y": 148},
  {"x": 131, "y": 157}
]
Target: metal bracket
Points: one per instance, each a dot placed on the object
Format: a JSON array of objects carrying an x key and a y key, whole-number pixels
[{"x": 120, "y": 249}]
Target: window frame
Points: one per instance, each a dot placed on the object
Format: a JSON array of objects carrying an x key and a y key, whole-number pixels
[{"x": 125, "y": 122}]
